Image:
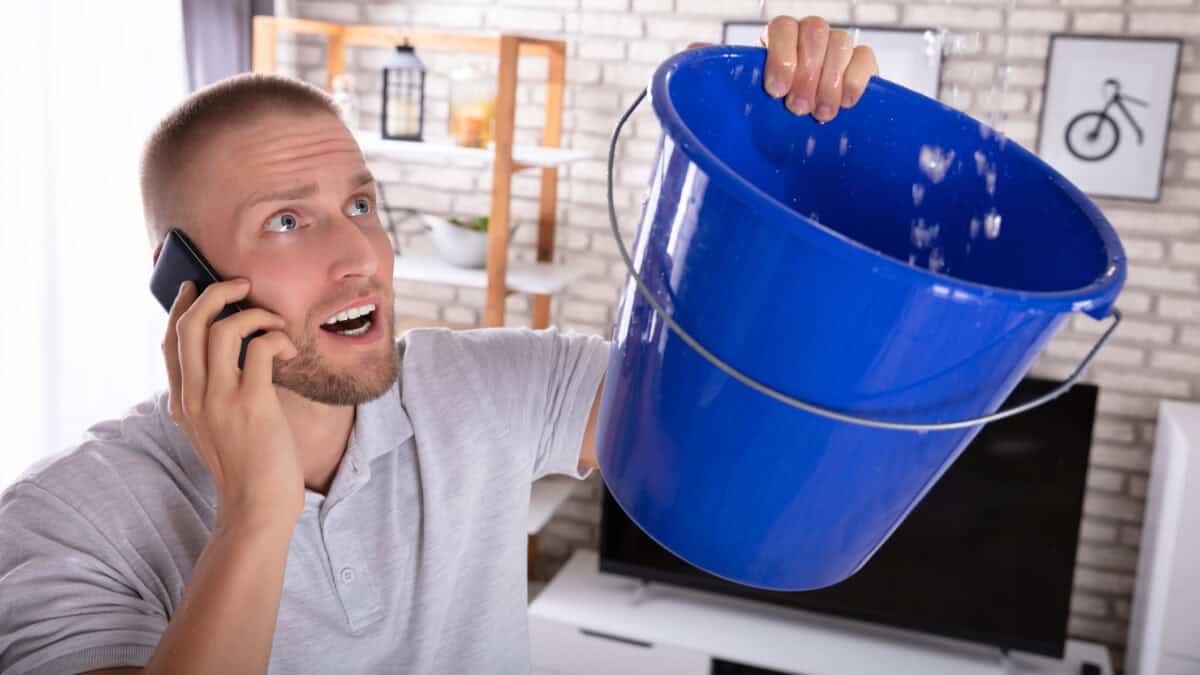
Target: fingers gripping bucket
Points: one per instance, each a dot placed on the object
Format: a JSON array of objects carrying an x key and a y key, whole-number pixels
[{"x": 784, "y": 386}]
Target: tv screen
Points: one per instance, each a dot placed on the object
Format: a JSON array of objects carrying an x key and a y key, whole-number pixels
[{"x": 988, "y": 556}]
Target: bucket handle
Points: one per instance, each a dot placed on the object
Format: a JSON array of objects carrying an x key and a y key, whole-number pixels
[{"x": 794, "y": 402}]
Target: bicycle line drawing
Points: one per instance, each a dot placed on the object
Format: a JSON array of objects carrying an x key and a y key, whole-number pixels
[{"x": 1102, "y": 139}]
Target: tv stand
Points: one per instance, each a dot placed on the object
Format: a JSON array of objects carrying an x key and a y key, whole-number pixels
[{"x": 586, "y": 622}]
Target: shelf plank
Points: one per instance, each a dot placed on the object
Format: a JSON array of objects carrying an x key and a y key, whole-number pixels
[
  {"x": 527, "y": 156},
  {"x": 523, "y": 277}
]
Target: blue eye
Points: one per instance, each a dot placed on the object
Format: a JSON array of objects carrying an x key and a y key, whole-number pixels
[
  {"x": 287, "y": 220},
  {"x": 362, "y": 206}
]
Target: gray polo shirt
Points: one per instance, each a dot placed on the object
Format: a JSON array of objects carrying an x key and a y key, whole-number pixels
[{"x": 413, "y": 562}]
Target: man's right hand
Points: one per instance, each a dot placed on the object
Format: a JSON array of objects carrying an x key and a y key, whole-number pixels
[{"x": 233, "y": 417}]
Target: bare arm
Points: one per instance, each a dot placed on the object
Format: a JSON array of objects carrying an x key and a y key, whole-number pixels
[
  {"x": 587, "y": 453},
  {"x": 226, "y": 619}
]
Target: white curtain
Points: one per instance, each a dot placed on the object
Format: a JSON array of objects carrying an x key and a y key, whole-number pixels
[{"x": 83, "y": 83}]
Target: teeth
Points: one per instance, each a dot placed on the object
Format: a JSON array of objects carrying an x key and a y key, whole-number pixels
[{"x": 350, "y": 314}]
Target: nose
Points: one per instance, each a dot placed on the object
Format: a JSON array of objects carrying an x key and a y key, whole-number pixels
[{"x": 354, "y": 254}]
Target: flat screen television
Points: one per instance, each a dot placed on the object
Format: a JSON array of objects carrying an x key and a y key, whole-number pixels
[{"x": 988, "y": 556}]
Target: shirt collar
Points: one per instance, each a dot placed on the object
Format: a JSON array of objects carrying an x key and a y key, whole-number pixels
[{"x": 381, "y": 425}]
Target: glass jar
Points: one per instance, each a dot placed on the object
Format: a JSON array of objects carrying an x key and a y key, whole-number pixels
[{"x": 472, "y": 107}]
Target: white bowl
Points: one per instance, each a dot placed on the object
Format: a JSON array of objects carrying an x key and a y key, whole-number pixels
[{"x": 459, "y": 246}]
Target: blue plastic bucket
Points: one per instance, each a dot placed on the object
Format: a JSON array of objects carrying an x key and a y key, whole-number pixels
[{"x": 783, "y": 246}]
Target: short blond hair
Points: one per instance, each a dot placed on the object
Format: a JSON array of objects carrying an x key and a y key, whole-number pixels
[{"x": 235, "y": 100}]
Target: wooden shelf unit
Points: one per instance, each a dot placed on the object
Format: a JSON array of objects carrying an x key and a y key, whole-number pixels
[
  {"x": 524, "y": 156},
  {"x": 503, "y": 156}
]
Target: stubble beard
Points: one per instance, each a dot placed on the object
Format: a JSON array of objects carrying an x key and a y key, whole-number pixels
[{"x": 309, "y": 375}]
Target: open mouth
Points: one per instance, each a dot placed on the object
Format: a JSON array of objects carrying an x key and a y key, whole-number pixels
[{"x": 351, "y": 323}]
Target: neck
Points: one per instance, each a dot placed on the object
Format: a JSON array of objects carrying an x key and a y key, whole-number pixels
[{"x": 322, "y": 433}]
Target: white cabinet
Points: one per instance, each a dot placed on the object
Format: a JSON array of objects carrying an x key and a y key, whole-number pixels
[
  {"x": 1164, "y": 630},
  {"x": 585, "y": 622},
  {"x": 562, "y": 649}
]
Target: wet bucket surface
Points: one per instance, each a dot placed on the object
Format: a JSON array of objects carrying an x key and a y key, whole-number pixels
[{"x": 788, "y": 258}]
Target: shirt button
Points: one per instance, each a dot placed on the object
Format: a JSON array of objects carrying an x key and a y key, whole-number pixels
[{"x": 348, "y": 574}]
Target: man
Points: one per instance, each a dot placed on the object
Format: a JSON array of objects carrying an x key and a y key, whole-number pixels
[{"x": 347, "y": 502}]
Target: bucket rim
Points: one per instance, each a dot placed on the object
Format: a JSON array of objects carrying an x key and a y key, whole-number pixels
[{"x": 1095, "y": 298}]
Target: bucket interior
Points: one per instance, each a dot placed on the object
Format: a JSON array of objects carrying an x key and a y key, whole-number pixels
[{"x": 900, "y": 174}]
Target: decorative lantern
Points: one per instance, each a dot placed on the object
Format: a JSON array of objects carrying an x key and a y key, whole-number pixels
[{"x": 403, "y": 95}]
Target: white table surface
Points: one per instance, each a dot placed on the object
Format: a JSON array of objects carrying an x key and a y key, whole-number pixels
[{"x": 767, "y": 636}]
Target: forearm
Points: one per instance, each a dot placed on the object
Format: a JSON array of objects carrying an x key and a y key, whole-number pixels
[
  {"x": 225, "y": 622},
  {"x": 587, "y": 453}
]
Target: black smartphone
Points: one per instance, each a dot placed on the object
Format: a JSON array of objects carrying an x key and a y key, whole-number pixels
[{"x": 180, "y": 260}]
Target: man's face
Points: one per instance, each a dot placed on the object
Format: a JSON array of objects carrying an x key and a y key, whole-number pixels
[{"x": 287, "y": 202}]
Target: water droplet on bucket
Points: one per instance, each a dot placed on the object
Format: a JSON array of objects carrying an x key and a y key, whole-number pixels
[
  {"x": 980, "y": 162},
  {"x": 845, "y": 143},
  {"x": 918, "y": 191},
  {"x": 935, "y": 162},
  {"x": 747, "y": 111},
  {"x": 936, "y": 261},
  {"x": 812, "y": 144},
  {"x": 975, "y": 227},
  {"x": 922, "y": 234},
  {"x": 754, "y": 75},
  {"x": 986, "y": 169},
  {"x": 991, "y": 224}
]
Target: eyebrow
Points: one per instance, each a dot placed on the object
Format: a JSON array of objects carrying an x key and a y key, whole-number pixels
[{"x": 297, "y": 192}]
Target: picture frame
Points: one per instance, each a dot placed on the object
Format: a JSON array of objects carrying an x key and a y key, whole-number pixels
[
  {"x": 1106, "y": 112},
  {"x": 910, "y": 56}
]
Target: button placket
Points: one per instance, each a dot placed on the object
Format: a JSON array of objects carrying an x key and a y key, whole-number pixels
[{"x": 352, "y": 579}]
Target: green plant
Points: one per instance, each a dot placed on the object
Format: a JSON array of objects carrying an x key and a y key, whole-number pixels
[{"x": 479, "y": 224}]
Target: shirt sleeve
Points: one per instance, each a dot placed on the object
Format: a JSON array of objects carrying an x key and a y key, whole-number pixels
[
  {"x": 65, "y": 607},
  {"x": 543, "y": 383}
]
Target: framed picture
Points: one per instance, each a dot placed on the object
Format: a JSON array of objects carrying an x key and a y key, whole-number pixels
[
  {"x": 1106, "y": 112},
  {"x": 908, "y": 56}
]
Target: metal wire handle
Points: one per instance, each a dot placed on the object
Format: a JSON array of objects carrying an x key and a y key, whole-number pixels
[{"x": 796, "y": 403}]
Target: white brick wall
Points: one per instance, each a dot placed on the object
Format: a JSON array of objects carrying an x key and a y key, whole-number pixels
[{"x": 614, "y": 45}]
